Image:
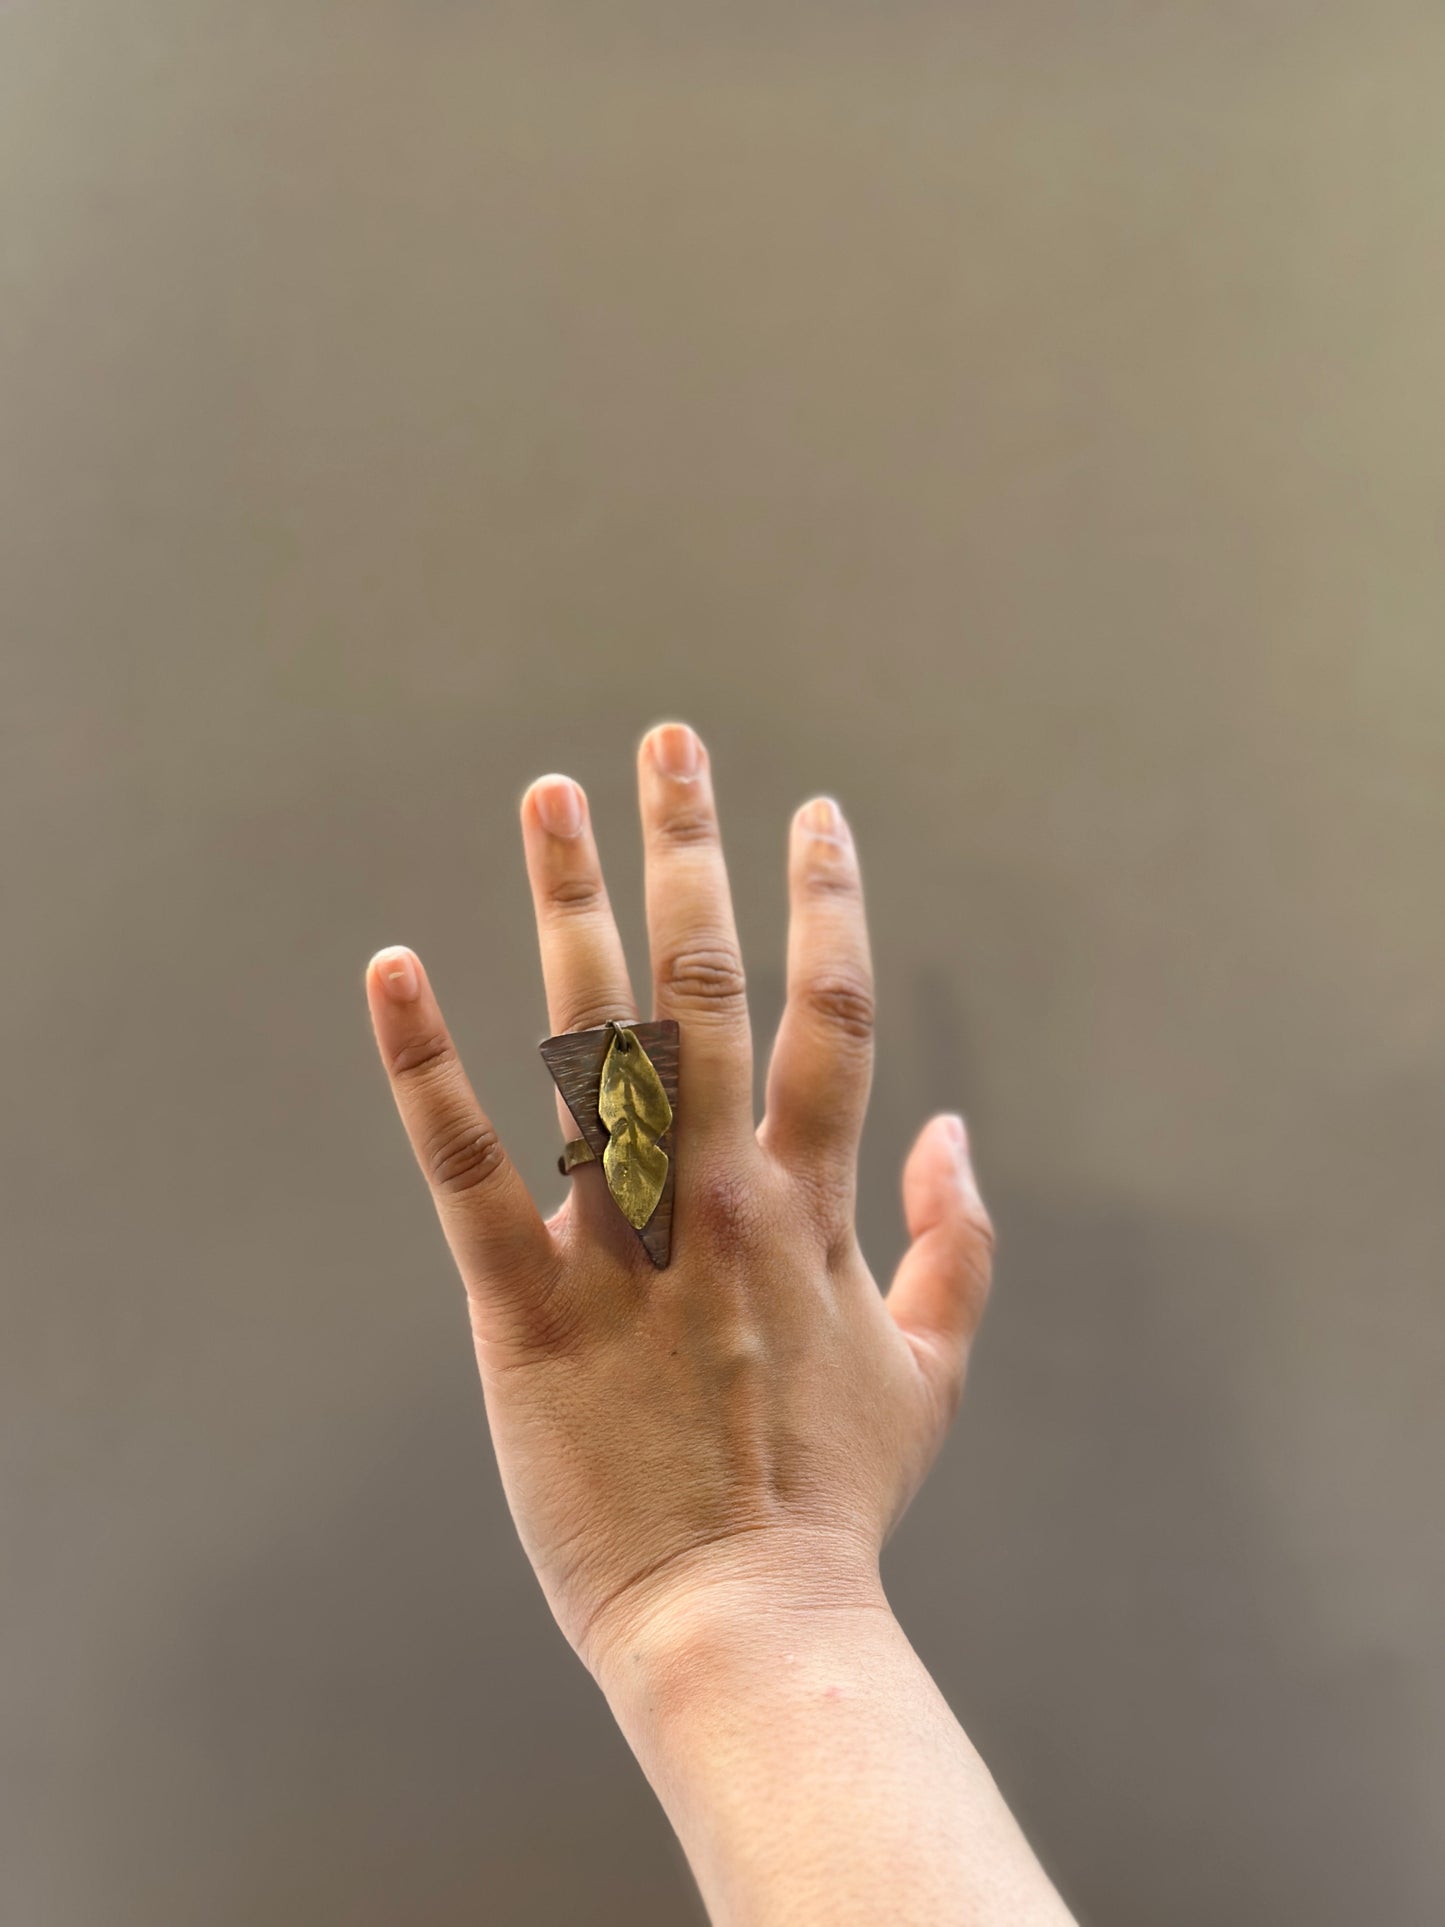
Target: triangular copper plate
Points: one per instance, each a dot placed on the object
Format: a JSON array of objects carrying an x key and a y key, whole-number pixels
[{"x": 575, "y": 1060}]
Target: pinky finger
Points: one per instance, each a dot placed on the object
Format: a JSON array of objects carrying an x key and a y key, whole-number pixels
[
  {"x": 942, "y": 1282},
  {"x": 502, "y": 1248}
]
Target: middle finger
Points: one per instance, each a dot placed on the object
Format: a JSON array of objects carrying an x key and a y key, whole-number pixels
[{"x": 697, "y": 966}]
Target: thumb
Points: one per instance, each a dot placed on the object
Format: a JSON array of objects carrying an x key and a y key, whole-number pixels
[{"x": 942, "y": 1282}]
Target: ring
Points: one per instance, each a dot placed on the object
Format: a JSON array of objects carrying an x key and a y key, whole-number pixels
[{"x": 620, "y": 1083}]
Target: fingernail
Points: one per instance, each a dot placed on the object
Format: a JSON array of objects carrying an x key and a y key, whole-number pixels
[
  {"x": 397, "y": 972},
  {"x": 559, "y": 804},
  {"x": 823, "y": 817},
  {"x": 957, "y": 1129},
  {"x": 675, "y": 749}
]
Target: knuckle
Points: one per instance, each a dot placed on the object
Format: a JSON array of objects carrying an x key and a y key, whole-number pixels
[
  {"x": 463, "y": 1155},
  {"x": 976, "y": 1261},
  {"x": 573, "y": 895},
  {"x": 708, "y": 974},
  {"x": 689, "y": 826},
  {"x": 950, "y": 1386},
  {"x": 983, "y": 1233},
  {"x": 738, "y": 1351},
  {"x": 842, "y": 1252},
  {"x": 837, "y": 878},
  {"x": 727, "y": 1205},
  {"x": 944, "y": 1362},
  {"x": 825, "y": 1192},
  {"x": 543, "y": 1321},
  {"x": 845, "y": 1002},
  {"x": 423, "y": 1055}
]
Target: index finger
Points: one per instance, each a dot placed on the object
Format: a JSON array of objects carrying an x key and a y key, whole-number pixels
[{"x": 503, "y": 1249}]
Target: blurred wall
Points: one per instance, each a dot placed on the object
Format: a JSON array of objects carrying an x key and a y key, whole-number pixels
[{"x": 1023, "y": 421}]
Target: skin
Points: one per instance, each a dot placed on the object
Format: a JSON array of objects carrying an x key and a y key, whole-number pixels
[{"x": 704, "y": 1462}]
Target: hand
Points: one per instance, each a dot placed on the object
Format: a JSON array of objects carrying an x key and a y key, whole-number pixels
[{"x": 757, "y": 1415}]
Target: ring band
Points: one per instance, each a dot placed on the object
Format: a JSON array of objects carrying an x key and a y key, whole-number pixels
[{"x": 578, "y": 1151}]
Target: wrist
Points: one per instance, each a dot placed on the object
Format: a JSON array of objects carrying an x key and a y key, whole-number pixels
[
  {"x": 809, "y": 1765},
  {"x": 737, "y": 1617}
]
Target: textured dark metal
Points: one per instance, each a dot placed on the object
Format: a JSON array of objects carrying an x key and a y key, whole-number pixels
[{"x": 575, "y": 1059}]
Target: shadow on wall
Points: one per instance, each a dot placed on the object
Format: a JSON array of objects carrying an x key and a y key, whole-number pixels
[{"x": 1120, "y": 1625}]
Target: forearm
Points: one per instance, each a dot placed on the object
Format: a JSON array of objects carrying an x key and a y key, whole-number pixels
[{"x": 814, "y": 1773}]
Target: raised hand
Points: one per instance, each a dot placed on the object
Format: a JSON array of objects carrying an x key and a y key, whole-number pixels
[{"x": 758, "y": 1399}]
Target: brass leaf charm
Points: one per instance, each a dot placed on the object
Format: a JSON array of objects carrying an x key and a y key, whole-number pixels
[{"x": 633, "y": 1105}]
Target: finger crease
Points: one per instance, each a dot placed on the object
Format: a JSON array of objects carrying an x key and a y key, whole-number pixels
[
  {"x": 464, "y": 1157},
  {"x": 571, "y": 894},
  {"x": 421, "y": 1055},
  {"x": 690, "y": 826}
]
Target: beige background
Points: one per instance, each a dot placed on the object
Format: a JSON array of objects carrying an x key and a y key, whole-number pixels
[{"x": 1025, "y": 421}]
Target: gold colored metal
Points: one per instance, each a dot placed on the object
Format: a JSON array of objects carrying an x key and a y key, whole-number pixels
[{"x": 634, "y": 1107}]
